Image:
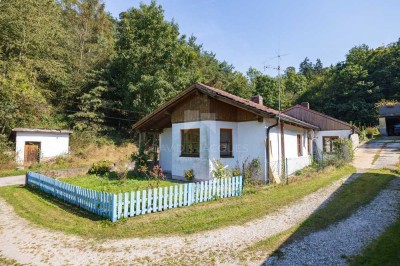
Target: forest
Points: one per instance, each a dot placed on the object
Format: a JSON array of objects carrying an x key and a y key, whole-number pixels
[{"x": 70, "y": 64}]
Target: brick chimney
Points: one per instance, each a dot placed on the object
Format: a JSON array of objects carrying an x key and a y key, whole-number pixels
[
  {"x": 306, "y": 105},
  {"x": 257, "y": 99}
]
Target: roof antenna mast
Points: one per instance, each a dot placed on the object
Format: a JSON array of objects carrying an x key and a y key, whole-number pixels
[{"x": 278, "y": 68}]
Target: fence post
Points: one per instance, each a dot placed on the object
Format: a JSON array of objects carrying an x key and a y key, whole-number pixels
[
  {"x": 26, "y": 178},
  {"x": 287, "y": 171},
  {"x": 114, "y": 208}
]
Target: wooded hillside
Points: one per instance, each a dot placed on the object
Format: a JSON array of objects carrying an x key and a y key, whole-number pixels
[{"x": 69, "y": 64}]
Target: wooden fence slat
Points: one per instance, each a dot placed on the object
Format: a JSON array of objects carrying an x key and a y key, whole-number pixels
[
  {"x": 114, "y": 203},
  {"x": 165, "y": 198},
  {"x": 170, "y": 203},
  {"x": 201, "y": 191},
  {"x": 185, "y": 194},
  {"x": 119, "y": 205},
  {"x": 155, "y": 198},
  {"x": 230, "y": 187},
  {"x": 144, "y": 202},
  {"x": 180, "y": 195},
  {"x": 132, "y": 205},
  {"x": 149, "y": 201},
  {"x": 126, "y": 202},
  {"x": 175, "y": 196},
  {"x": 160, "y": 199},
  {"x": 138, "y": 201},
  {"x": 189, "y": 195}
]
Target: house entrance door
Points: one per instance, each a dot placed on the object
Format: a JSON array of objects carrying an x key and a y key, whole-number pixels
[{"x": 31, "y": 152}]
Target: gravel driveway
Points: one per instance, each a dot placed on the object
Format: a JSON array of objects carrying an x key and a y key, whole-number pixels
[{"x": 346, "y": 238}]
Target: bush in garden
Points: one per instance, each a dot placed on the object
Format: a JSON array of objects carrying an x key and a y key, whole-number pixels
[
  {"x": 219, "y": 170},
  {"x": 371, "y": 131},
  {"x": 140, "y": 158},
  {"x": 155, "y": 176},
  {"x": 100, "y": 168},
  {"x": 189, "y": 174},
  {"x": 252, "y": 174},
  {"x": 236, "y": 171}
]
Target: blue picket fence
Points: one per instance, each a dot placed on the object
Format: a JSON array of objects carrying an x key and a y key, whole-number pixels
[{"x": 128, "y": 204}]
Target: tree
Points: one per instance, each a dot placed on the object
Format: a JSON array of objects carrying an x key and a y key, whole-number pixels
[
  {"x": 33, "y": 35},
  {"x": 91, "y": 41},
  {"x": 318, "y": 67},
  {"x": 306, "y": 68}
]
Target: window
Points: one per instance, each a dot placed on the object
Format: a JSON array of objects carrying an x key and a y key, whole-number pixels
[
  {"x": 190, "y": 142},
  {"x": 299, "y": 146},
  {"x": 225, "y": 142},
  {"x": 309, "y": 145},
  {"x": 329, "y": 146}
]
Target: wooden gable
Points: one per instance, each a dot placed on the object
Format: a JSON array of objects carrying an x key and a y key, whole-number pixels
[{"x": 202, "y": 107}]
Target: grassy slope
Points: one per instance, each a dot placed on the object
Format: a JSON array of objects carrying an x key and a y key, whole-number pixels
[
  {"x": 48, "y": 212},
  {"x": 81, "y": 158},
  {"x": 112, "y": 185},
  {"x": 353, "y": 195},
  {"x": 12, "y": 172}
]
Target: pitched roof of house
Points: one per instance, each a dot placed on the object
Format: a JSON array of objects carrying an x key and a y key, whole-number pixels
[
  {"x": 323, "y": 121},
  {"x": 229, "y": 98},
  {"x": 40, "y": 130}
]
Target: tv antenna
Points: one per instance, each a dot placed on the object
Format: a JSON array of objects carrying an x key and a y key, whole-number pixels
[{"x": 278, "y": 68}]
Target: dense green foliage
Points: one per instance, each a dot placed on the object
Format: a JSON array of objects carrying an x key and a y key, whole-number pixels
[{"x": 70, "y": 64}]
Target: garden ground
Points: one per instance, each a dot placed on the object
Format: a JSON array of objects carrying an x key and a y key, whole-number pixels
[{"x": 244, "y": 229}]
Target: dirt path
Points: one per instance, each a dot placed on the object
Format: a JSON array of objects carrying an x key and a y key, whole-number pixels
[
  {"x": 27, "y": 243},
  {"x": 12, "y": 180}
]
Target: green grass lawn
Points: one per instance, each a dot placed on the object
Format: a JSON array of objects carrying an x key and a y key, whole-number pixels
[
  {"x": 349, "y": 198},
  {"x": 113, "y": 184},
  {"x": 49, "y": 212},
  {"x": 13, "y": 172},
  {"x": 385, "y": 250}
]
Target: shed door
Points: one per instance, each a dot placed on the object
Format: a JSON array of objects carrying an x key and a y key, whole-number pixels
[{"x": 32, "y": 152}]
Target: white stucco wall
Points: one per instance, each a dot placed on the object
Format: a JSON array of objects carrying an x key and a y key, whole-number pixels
[
  {"x": 294, "y": 161},
  {"x": 51, "y": 145},
  {"x": 248, "y": 143},
  {"x": 339, "y": 133},
  {"x": 200, "y": 165},
  {"x": 166, "y": 149},
  {"x": 247, "y": 139}
]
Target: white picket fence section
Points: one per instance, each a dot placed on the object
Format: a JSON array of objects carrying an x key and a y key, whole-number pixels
[{"x": 128, "y": 204}]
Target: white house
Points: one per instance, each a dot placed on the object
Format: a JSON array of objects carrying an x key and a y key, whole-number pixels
[
  {"x": 35, "y": 145},
  {"x": 203, "y": 123},
  {"x": 329, "y": 128}
]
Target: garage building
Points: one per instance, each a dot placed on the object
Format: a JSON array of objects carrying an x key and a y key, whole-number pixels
[{"x": 389, "y": 116}]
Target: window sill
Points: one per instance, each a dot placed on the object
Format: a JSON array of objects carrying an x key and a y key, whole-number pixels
[{"x": 190, "y": 155}]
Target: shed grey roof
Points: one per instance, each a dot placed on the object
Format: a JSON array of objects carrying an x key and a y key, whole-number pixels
[{"x": 39, "y": 130}]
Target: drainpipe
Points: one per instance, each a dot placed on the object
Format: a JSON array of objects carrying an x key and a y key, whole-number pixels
[{"x": 267, "y": 149}]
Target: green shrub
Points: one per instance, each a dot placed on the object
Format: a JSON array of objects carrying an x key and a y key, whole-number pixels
[
  {"x": 236, "y": 171},
  {"x": 189, "y": 174},
  {"x": 140, "y": 158},
  {"x": 219, "y": 170},
  {"x": 100, "y": 168},
  {"x": 370, "y": 132}
]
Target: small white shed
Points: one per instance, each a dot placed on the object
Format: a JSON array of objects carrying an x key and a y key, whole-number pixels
[{"x": 35, "y": 145}]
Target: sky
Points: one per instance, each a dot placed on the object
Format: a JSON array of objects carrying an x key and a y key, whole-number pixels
[{"x": 252, "y": 33}]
